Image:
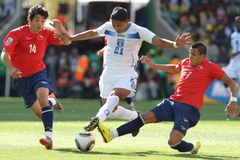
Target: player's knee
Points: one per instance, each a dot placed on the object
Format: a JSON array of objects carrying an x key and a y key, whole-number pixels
[{"x": 148, "y": 117}]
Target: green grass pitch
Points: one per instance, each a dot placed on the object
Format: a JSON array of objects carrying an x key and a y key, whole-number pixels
[{"x": 20, "y": 131}]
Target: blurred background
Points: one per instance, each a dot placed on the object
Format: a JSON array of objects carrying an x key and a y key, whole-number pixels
[{"x": 75, "y": 69}]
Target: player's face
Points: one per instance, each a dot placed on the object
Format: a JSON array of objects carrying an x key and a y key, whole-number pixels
[
  {"x": 120, "y": 26},
  {"x": 237, "y": 24},
  {"x": 195, "y": 57},
  {"x": 36, "y": 25}
]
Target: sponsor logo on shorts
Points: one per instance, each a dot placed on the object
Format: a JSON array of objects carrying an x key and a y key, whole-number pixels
[
  {"x": 44, "y": 82},
  {"x": 183, "y": 128},
  {"x": 185, "y": 120}
]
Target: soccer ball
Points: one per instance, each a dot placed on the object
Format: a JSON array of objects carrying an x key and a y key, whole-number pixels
[{"x": 85, "y": 141}]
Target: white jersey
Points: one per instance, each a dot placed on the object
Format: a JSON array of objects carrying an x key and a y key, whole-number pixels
[
  {"x": 235, "y": 42},
  {"x": 122, "y": 48},
  {"x": 233, "y": 68}
]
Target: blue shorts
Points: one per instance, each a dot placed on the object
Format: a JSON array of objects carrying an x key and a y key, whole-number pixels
[
  {"x": 27, "y": 86},
  {"x": 183, "y": 115}
]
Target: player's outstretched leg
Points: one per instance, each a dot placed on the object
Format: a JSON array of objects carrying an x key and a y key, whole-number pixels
[
  {"x": 105, "y": 132},
  {"x": 92, "y": 124},
  {"x": 196, "y": 148},
  {"x": 135, "y": 133}
]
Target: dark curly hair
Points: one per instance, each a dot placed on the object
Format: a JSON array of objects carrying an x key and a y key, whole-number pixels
[{"x": 37, "y": 9}]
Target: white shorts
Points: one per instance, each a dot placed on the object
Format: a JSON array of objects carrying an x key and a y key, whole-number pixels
[
  {"x": 233, "y": 68},
  {"x": 117, "y": 78}
]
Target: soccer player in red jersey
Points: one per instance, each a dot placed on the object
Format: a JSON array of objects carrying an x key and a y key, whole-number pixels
[
  {"x": 23, "y": 52},
  {"x": 183, "y": 106}
]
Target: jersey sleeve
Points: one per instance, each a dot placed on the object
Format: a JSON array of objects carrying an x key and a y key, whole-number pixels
[
  {"x": 146, "y": 34},
  {"x": 180, "y": 64},
  {"x": 52, "y": 39},
  {"x": 101, "y": 29},
  {"x": 216, "y": 71},
  {"x": 11, "y": 40}
]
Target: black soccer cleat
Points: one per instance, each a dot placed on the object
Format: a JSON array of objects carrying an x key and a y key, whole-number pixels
[
  {"x": 91, "y": 125},
  {"x": 135, "y": 133}
]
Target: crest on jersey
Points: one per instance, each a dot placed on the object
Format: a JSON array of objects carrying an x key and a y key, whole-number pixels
[
  {"x": 40, "y": 37},
  {"x": 200, "y": 67},
  {"x": 120, "y": 42},
  {"x": 8, "y": 41}
]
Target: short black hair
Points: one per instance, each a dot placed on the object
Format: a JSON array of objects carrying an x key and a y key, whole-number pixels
[
  {"x": 37, "y": 9},
  {"x": 202, "y": 49},
  {"x": 119, "y": 14}
]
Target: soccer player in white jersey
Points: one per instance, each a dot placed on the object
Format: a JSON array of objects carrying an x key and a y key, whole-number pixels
[
  {"x": 119, "y": 77},
  {"x": 233, "y": 68}
]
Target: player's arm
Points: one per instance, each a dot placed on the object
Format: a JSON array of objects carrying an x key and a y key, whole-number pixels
[
  {"x": 232, "y": 107},
  {"x": 15, "y": 73},
  {"x": 179, "y": 42},
  {"x": 170, "y": 68},
  {"x": 89, "y": 34},
  {"x": 61, "y": 30}
]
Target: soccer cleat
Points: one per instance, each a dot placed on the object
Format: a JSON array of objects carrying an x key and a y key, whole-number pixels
[
  {"x": 135, "y": 133},
  {"x": 47, "y": 142},
  {"x": 131, "y": 107},
  {"x": 196, "y": 148},
  {"x": 91, "y": 125},
  {"x": 105, "y": 132},
  {"x": 58, "y": 106}
]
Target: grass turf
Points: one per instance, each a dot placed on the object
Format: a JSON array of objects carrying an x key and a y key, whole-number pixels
[{"x": 20, "y": 131}]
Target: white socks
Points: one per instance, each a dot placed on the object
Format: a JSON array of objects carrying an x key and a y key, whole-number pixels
[
  {"x": 122, "y": 113},
  {"x": 107, "y": 108},
  {"x": 48, "y": 135},
  {"x": 52, "y": 100},
  {"x": 113, "y": 134}
]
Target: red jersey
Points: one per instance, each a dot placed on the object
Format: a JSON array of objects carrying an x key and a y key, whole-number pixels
[
  {"x": 194, "y": 81},
  {"x": 27, "y": 49}
]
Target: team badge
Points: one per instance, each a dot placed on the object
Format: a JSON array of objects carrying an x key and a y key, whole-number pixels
[
  {"x": 40, "y": 37},
  {"x": 8, "y": 41},
  {"x": 200, "y": 67}
]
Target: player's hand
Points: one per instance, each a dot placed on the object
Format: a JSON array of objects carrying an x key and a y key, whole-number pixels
[
  {"x": 145, "y": 59},
  {"x": 101, "y": 52},
  {"x": 232, "y": 109},
  {"x": 183, "y": 39},
  {"x": 62, "y": 37},
  {"x": 65, "y": 39},
  {"x": 56, "y": 23},
  {"x": 15, "y": 73}
]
